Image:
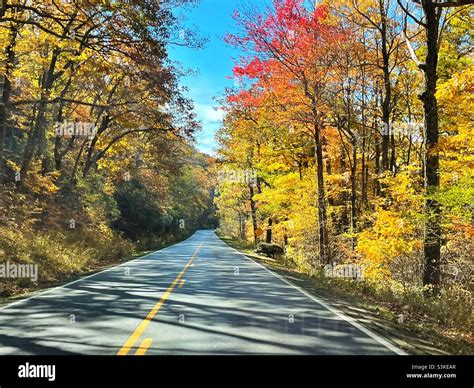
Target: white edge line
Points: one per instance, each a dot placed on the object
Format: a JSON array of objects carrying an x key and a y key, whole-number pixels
[
  {"x": 40, "y": 294},
  {"x": 335, "y": 311}
]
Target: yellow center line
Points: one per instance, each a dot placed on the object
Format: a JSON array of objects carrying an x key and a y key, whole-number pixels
[
  {"x": 144, "y": 347},
  {"x": 143, "y": 325},
  {"x": 181, "y": 284}
]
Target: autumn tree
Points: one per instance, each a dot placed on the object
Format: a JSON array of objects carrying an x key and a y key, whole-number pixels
[
  {"x": 431, "y": 16},
  {"x": 291, "y": 47}
]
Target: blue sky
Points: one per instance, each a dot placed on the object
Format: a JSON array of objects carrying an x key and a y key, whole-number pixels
[{"x": 213, "y": 63}]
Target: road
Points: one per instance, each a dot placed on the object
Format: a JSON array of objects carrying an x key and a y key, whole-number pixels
[{"x": 196, "y": 297}]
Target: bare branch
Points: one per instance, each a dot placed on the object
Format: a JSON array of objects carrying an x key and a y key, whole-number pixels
[
  {"x": 449, "y": 4},
  {"x": 407, "y": 12}
]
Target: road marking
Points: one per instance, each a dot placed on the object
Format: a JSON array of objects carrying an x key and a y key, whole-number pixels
[
  {"x": 144, "y": 347},
  {"x": 181, "y": 283},
  {"x": 143, "y": 325},
  {"x": 335, "y": 311}
]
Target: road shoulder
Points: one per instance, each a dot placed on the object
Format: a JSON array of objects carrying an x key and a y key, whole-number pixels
[{"x": 409, "y": 337}]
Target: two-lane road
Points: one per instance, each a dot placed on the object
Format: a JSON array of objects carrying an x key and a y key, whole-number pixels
[{"x": 196, "y": 297}]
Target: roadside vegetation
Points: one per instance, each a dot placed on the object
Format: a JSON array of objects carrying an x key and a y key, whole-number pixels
[{"x": 97, "y": 155}]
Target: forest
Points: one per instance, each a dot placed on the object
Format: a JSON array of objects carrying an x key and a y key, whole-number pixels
[
  {"x": 97, "y": 159},
  {"x": 348, "y": 140}
]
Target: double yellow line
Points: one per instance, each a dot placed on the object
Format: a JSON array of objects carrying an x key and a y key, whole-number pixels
[{"x": 130, "y": 343}]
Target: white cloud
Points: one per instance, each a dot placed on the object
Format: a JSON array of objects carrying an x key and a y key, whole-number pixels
[
  {"x": 215, "y": 115},
  {"x": 208, "y": 114}
]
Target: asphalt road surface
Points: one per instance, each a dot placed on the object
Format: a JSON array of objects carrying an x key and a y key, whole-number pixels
[{"x": 196, "y": 297}]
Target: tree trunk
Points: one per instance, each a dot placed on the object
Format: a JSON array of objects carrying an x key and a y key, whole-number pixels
[
  {"x": 387, "y": 88},
  {"x": 38, "y": 135},
  {"x": 253, "y": 208},
  {"x": 432, "y": 237},
  {"x": 90, "y": 158},
  {"x": 242, "y": 226},
  {"x": 343, "y": 224},
  {"x": 377, "y": 188},
  {"x": 354, "y": 193},
  {"x": 76, "y": 163},
  {"x": 6, "y": 92},
  {"x": 58, "y": 154},
  {"x": 393, "y": 155},
  {"x": 268, "y": 238},
  {"x": 322, "y": 210},
  {"x": 363, "y": 189}
]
